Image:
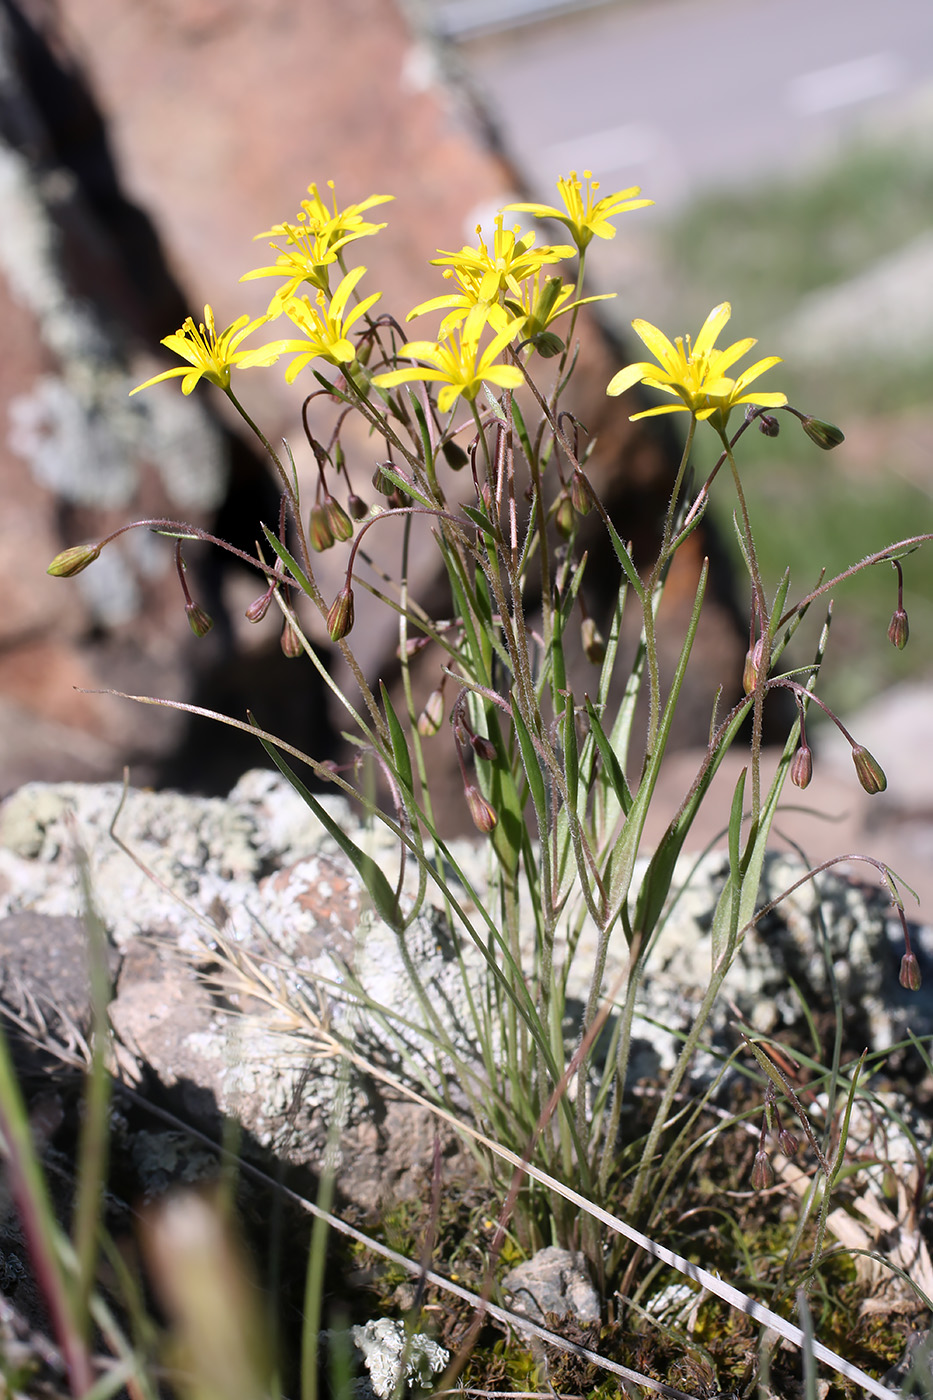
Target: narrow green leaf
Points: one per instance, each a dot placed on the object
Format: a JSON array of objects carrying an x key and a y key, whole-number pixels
[
  {"x": 400, "y": 748},
  {"x": 611, "y": 765},
  {"x": 291, "y": 564},
  {"x": 532, "y": 769},
  {"x": 482, "y": 522}
]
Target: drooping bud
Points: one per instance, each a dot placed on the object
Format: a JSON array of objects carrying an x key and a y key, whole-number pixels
[
  {"x": 898, "y": 630},
  {"x": 432, "y": 716},
  {"x": 382, "y": 483},
  {"x": 483, "y": 814},
  {"x": 198, "y": 620},
  {"x": 357, "y": 506},
  {"x": 752, "y": 665},
  {"x": 762, "y": 1174},
  {"x": 594, "y": 648},
  {"x": 483, "y": 747},
  {"x": 290, "y": 641},
  {"x": 320, "y": 535},
  {"x": 789, "y": 1143},
  {"x": 259, "y": 606},
  {"x": 72, "y": 561},
  {"x": 339, "y": 523},
  {"x": 768, "y": 425},
  {"x": 579, "y": 495},
  {"x": 869, "y": 770},
  {"x": 454, "y": 455},
  {"x": 340, "y": 618},
  {"x": 910, "y": 978},
  {"x": 801, "y": 768},
  {"x": 825, "y": 435},
  {"x": 564, "y": 519},
  {"x": 547, "y": 344}
]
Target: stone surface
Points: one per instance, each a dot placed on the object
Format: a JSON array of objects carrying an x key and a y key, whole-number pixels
[
  {"x": 249, "y": 961},
  {"x": 553, "y": 1281}
]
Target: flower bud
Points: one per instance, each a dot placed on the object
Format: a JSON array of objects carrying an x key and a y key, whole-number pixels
[
  {"x": 564, "y": 519},
  {"x": 432, "y": 716},
  {"x": 483, "y": 747},
  {"x": 898, "y": 630},
  {"x": 72, "y": 561},
  {"x": 762, "y": 1175},
  {"x": 382, "y": 483},
  {"x": 909, "y": 977},
  {"x": 579, "y": 495},
  {"x": 198, "y": 620},
  {"x": 320, "y": 535},
  {"x": 869, "y": 770},
  {"x": 547, "y": 344},
  {"x": 768, "y": 425},
  {"x": 750, "y": 671},
  {"x": 357, "y": 506},
  {"x": 594, "y": 648},
  {"x": 825, "y": 435},
  {"x": 789, "y": 1143},
  {"x": 338, "y": 522},
  {"x": 483, "y": 814},
  {"x": 340, "y": 617},
  {"x": 801, "y": 768},
  {"x": 454, "y": 455},
  {"x": 259, "y": 606},
  {"x": 290, "y": 641}
]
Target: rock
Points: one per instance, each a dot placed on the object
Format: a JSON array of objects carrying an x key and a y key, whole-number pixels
[
  {"x": 390, "y": 1356},
  {"x": 552, "y": 1281}
]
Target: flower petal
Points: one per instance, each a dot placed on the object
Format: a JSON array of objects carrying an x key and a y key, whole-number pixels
[{"x": 713, "y": 324}]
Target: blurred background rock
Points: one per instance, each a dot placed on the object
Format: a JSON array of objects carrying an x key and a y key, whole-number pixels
[{"x": 143, "y": 146}]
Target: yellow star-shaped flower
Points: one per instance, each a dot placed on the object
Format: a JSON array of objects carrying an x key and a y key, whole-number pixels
[
  {"x": 585, "y": 218},
  {"x": 211, "y": 355},
  {"x": 501, "y": 268},
  {"x": 458, "y": 364},
  {"x": 696, "y": 373},
  {"x": 325, "y": 326}
]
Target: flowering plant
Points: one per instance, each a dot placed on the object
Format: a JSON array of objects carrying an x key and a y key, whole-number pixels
[{"x": 558, "y": 783}]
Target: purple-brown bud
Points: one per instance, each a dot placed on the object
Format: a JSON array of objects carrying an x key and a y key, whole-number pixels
[
  {"x": 825, "y": 435},
  {"x": 801, "y": 768},
  {"x": 762, "y": 1174},
  {"x": 752, "y": 665},
  {"x": 483, "y": 747},
  {"x": 594, "y": 648},
  {"x": 454, "y": 455},
  {"x": 259, "y": 606},
  {"x": 198, "y": 620},
  {"x": 357, "y": 506},
  {"x": 432, "y": 716},
  {"x": 768, "y": 425},
  {"x": 340, "y": 617},
  {"x": 72, "y": 561},
  {"x": 338, "y": 522},
  {"x": 789, "y": 1143},
  {"x": 290, "y": 641},
  {"x": 869, "y": 770},
  {"x": 483, "y": 814},
  {"x": 909, "y": 977},
  {"x": 320, "y": 535},
  {"x": 898, "y": 630}
]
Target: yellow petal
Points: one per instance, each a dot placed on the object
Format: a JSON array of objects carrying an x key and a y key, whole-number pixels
[
  {"x": 657, "y": 342},
  {"x": 713, "y": 324}
]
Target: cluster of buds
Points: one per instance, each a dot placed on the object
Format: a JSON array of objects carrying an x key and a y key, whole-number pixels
[
  {"x": 762, "y": 1171},
  {"x": 329, "y": 523}
]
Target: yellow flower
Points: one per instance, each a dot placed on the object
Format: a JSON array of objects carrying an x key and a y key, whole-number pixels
[
  {"x": 210, "y": 355},
  {"x": 503, "y": 268},
  {"x": 457, "y": 363},
  {"x": 585, "y": 220},
  {"x": 325, "y": 327},
  {"x": 542, "y": 305},
  {"x": 696, "y": 374},
  {"x": 313, "y": 242}
]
